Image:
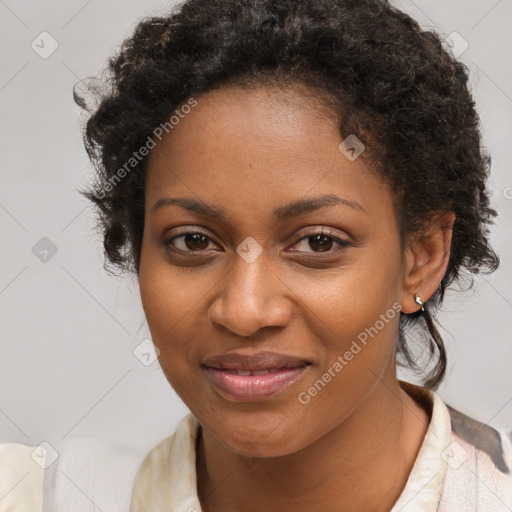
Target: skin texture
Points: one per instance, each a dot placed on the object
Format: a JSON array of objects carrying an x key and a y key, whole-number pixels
[{"x": 247, "y": 152}]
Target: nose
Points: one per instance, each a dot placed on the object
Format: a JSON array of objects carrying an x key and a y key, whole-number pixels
[{"x": 251, "y": 296}]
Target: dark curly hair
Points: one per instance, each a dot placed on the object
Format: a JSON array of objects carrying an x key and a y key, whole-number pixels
[{"x": 395, "y": 85}]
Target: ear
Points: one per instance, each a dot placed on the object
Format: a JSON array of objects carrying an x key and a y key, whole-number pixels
[{"x": 426, "y": 258}]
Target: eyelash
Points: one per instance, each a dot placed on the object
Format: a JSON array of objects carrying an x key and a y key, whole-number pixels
[{"x": 167, "y": 243}]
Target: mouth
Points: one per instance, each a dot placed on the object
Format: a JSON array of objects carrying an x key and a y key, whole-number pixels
[
  {"x": 253, "y": 377},
  {"x": 246, "y": 373}
]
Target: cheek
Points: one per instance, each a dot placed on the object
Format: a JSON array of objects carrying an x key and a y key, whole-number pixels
[
  {"x": 157, "y": 299},
  {"x": 165, "y": 293},
  {"x": 173, "y": 303},
  {"x": 165, "y": 308},
  {"x": 358, "y": 347},
  {"x": 351, "y": 298},
  {"x": 355, "y": 316},
  {"x": 168, "y": 311},
  {"x": 165, "y": 301}
]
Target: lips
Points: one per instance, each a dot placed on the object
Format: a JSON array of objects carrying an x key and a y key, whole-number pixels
[
  {"x": 259, "y": 361},
  {"x": 253, "y": 377}
]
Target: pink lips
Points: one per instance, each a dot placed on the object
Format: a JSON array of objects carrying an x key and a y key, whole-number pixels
[{"x": 250, "y": 377}]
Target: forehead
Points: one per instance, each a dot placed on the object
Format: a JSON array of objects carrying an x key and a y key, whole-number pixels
[{"x": 257, "y": 147}]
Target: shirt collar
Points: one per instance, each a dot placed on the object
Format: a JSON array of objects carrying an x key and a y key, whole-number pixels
[{"x": 422, "y": 491}]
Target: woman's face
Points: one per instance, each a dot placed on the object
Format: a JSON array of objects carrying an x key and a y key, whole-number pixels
[{"x": 234, "y": 268}]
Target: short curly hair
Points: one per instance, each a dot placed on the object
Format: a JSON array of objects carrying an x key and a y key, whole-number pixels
[{"x": 393, "y": 84}]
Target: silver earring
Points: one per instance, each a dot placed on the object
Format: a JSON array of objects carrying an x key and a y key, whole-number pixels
[{"x": 418, "y": 301}]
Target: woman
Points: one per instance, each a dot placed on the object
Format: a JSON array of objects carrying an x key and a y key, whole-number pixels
[{"x": 295, "y": 184}]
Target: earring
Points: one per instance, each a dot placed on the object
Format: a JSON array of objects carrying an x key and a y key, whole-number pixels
[{"x": 418, "y": 301}]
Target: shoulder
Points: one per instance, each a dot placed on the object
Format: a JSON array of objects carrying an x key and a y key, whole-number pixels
[
  {"x": 479, "y": 465},
  {"x": 76, "y": 473}
]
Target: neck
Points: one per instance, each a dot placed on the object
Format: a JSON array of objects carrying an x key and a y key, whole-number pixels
[{"x": 363, "y": 463}]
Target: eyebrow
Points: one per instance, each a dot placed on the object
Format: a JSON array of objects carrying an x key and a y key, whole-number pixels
[{"x": 282, "y": 213}]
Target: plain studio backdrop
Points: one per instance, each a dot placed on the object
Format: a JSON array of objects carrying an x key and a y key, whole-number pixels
[{"x": 72, "y": 337}]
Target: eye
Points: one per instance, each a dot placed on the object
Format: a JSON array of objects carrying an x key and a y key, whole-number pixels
[
  {"x": 321, "y": 242},
  {"x": 190, "y": 241}
]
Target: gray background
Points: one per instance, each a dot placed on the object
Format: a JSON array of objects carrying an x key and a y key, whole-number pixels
[{"x": 68, "y": 330}]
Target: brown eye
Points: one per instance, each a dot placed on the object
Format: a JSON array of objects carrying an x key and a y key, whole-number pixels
[
  {"x": 321, "y": 242},
  {"x": 188, "y": 242}
]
